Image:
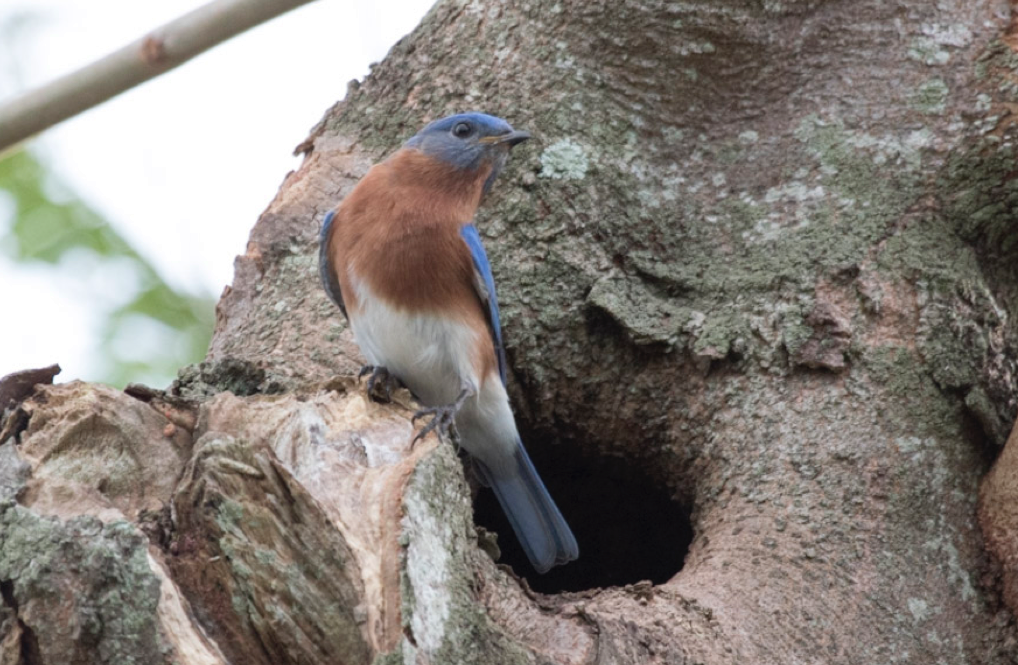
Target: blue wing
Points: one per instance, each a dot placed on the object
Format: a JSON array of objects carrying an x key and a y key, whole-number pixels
[
  {"x": 484, "y": 283},
  {"x": 325, "y": 269}
]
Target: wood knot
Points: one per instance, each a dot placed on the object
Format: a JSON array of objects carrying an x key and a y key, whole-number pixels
[
  {"x": 153, "y": 50},
  {"x": 827, "y": 346}
]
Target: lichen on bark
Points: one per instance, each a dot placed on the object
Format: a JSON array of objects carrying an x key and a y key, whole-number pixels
[
  {"x": 441, "y": 618},
  {"x": 84, "y": 588}
]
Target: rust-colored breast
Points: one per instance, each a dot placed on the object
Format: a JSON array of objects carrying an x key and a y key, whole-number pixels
[{"x": 398, "y": 231}]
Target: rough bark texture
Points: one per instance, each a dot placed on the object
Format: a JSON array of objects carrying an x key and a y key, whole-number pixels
[
  {"x": 761, "y": 258},
  {"x": 998, "y": 517}
]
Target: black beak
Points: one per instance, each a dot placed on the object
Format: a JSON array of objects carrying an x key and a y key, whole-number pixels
[{"x": 514, "y": 138}]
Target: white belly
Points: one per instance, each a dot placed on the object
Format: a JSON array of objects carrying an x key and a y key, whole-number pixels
[
  {"x": 431, "y": 354},
  {"x": 434, "y": 356}
]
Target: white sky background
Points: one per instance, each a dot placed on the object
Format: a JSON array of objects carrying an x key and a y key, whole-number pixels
[{"x": 183, "y": 165}]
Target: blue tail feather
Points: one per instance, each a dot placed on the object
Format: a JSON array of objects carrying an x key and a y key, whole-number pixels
[{"x": 536, "y": 520}]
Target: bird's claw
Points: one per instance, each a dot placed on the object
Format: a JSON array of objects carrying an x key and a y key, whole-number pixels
[
  {"x": 443, "y": 420},
  {"x": 380, "y": 378}
]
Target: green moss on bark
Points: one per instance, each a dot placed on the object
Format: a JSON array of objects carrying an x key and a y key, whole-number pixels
[{"x": 93, "y": 596}]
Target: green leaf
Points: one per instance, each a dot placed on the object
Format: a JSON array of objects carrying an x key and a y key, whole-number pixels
[{"x": 50, "y": 223}]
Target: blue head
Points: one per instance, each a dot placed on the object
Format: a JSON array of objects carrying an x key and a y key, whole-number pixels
[{"x": 468, "y": 140}]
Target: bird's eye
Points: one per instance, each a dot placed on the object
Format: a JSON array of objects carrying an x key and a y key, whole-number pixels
[{"x": 461, "y": 130}]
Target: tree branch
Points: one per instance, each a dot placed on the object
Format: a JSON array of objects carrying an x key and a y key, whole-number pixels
[{"x": 160, "y": 51}]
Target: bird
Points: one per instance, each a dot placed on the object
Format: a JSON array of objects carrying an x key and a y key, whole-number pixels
[{"x": 401, "y": 257}]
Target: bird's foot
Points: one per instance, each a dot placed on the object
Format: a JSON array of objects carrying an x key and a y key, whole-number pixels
[
  {"x": 381, "y": 379},
  {"x": 443, "y": 418}
]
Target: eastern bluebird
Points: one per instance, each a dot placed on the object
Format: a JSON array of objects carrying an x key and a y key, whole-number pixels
[{"x": 404, "y": 262}]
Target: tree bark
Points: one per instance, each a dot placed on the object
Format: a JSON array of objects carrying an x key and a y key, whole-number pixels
[{"x": 760, "y": 259}]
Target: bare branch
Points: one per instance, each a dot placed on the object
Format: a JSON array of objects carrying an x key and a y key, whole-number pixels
[{"x": 160, "y": 51}]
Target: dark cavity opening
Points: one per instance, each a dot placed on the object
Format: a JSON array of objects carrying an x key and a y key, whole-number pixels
[
  {"x": 628, "y": 528},
  {"x": 29, "y": 651}
]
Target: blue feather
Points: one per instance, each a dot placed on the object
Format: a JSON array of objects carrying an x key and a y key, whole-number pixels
[
  {"x": 464, "y": 152},
  {"x": 326, "y": 224},
  {"x": 482, "y": 271},
  {"x": 325, "y": 269}
]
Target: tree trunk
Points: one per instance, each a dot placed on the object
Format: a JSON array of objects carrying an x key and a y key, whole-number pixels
[{"x": 759, "y": 274}]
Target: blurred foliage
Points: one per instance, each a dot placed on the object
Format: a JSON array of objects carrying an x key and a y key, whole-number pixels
[{"x": 146, "y": 316}]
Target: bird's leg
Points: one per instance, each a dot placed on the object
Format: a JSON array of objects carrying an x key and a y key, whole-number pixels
[
  {"x": 382, "y": 378},
  {"x": 443, "y": 417}
]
